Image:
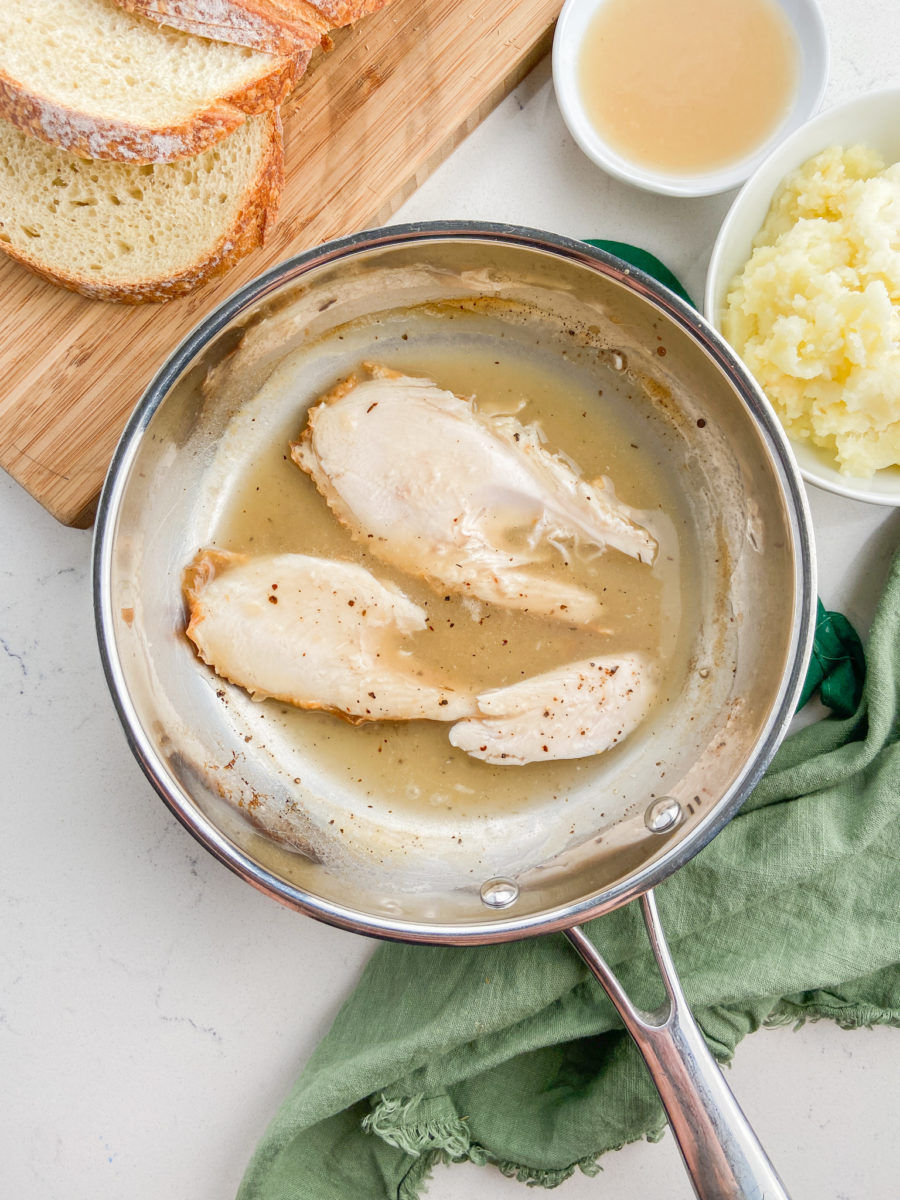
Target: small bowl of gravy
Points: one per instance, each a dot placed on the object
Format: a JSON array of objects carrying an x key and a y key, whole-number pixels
[{"x": 687, "y": 98}]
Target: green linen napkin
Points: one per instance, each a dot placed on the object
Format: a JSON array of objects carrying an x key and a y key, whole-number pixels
[{"x": 513, "y": 1055}]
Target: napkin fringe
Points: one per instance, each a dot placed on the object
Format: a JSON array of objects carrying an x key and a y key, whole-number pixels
[
  {"x": 590, "y": 1165},
  {"x": 547, "y": 1178},
  {"x": 845, "y": 1016},
  {"x": 421, "y": 1169},
  {"x": 408, "y": 1125},
  {"x": 423, "y": 1128}
]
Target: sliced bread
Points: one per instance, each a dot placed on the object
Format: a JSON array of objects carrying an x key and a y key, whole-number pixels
[
  {"x": 117, "y": 231},
  {"x": 89, "y": 77},
  {"x": 274, "y": 26}
]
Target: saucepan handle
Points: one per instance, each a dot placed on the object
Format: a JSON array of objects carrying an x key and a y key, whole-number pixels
[{"x": 722, "y": 1154}]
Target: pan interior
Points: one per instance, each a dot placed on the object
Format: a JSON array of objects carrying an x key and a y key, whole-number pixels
[{"x": 388, "y": 822}]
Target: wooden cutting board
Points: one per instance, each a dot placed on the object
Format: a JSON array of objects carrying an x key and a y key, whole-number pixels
[{"x": 368, "y": 123}]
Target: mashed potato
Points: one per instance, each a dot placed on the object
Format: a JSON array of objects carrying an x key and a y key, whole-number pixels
[{"x": 815, "y": 314}]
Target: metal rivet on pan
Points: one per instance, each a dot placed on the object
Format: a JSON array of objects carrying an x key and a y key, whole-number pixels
[
  {"x": 499, "y": 893},
  {"x": 663, "y": 814}
]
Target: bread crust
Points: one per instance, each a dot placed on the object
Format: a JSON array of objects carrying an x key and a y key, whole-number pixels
[
  {"x": 345, "y": 12},
  {"x": 273, "y": 26},
  {"x": 93, "y": 136},
  {"x": 257, "y": 24},
  {"x": 256, "y": 216}
]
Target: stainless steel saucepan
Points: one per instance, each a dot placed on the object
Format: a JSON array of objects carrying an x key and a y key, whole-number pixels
[{"x": 262, "y": 787}]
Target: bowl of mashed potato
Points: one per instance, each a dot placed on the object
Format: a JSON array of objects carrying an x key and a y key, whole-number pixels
[{"x": 804, "y": 282}]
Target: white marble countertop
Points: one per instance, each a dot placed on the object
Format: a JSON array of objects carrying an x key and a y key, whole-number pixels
[{"x": 154, "y": 1010}]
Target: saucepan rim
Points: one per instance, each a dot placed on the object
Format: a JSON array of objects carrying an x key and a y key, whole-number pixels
[{"x": 497, "y": 927}]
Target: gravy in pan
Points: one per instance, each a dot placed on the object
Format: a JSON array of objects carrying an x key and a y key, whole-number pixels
[{"x": 407, "y": 775}]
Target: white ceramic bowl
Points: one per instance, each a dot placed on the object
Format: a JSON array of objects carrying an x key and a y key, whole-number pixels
[
  {"x": 574, "y": 20},
  {"x": 871, "y": 120}
]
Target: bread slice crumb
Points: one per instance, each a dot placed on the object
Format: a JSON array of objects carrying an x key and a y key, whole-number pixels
[
  {"x": 117, "y": 231},
  {"x": 89, "y": 77}
]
